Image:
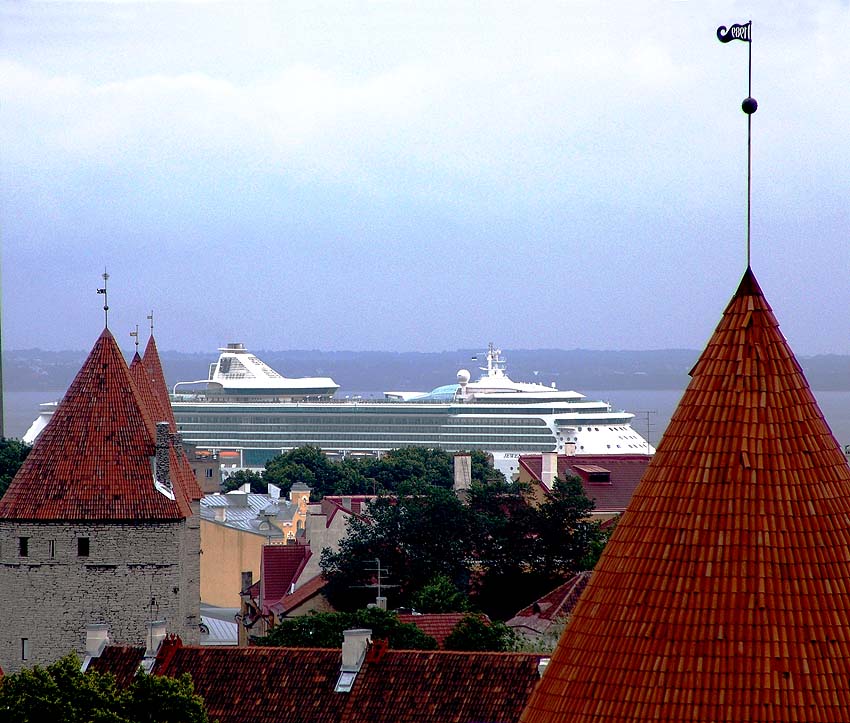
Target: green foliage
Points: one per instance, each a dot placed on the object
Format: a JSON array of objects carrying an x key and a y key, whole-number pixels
[
  {"x": 325, "y": 630},
  {"x": 498, "y": 550},
  {"x": 60, "y": 692},
  {"x": 477, "y": 634},
  {"x": 391, "y": 472},
  {"x": 440, "y": 595},
  {"x": 240, "y": 477},
  {"x": 13, "y": 452},
  {"x": 415, "y": 536}
]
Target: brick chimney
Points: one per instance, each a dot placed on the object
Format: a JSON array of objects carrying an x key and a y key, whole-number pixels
[
  {"x": 355, "y": 644},
  {"x": 462, "y": 475},
  {"x": 549, "y": 468}
]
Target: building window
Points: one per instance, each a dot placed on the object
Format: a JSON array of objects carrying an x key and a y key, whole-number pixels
[
  {"x": 51, "y": 548},
  {"x": 25, "y": 648},
  {"x": 209, "y": 472},
  {"x": 82, "y": 547},
  {"x": 23, "y": 546}
]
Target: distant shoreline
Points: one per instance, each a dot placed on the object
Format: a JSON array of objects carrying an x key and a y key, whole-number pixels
[{"x": 33, "y": 370}]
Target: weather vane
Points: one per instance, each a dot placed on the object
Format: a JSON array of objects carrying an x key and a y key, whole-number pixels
[
  {"x": 105, "y": 278},
  {"x": 135, "y": 335},
  {"x": 749, "y": 106},
  {"x": 150, "y": 319}
]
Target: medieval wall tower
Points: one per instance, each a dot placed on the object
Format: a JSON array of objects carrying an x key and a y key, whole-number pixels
[{"x": 101, "y": 523}]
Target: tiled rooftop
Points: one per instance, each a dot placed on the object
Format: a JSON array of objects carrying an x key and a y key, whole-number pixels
[
  {"x": 538, "y": 617},
  {"x": 723, "y": 594},
  {"x": 625, "y": 473},
  {"x": 280, "y": 566},
  {"x": 269, "y": 685},
  {"x": 437, "y": 625},
  {"x": 93, "y": 460}
]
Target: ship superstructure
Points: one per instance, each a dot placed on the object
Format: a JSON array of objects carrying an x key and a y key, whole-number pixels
[{"x": 493, "y": 414}]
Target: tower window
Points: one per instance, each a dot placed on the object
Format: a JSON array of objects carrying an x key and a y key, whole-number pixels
[
  {"x": 23, "y": 546},
  {"x": 25, "y": 648},
  {"x": 51, "y": 548},
  {"x": 82, "y": 547}
]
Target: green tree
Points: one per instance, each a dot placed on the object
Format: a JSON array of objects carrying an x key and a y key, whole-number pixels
[
  {"x": 477, "y": 634},
  {"x": 242, "y": 476},
  {"x": 60, "y": 692},
  {"x": 13, "y": 452},
  {"x": 440, "y": 595},
  {"x": 415, "y": 536},
  {"x": 325, "y": 630},
  {"x": 566, "y": 536}
]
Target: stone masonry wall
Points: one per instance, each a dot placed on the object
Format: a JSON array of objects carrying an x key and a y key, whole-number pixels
[{"x": 134, "y": 573}]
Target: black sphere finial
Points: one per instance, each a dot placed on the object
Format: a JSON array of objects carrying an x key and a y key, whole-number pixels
[{"x": 749, "y": 106}]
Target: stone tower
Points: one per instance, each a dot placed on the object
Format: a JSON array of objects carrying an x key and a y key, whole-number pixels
[
  {"x": 100, "y": 524},
  {"x": 724, "y": 593}
]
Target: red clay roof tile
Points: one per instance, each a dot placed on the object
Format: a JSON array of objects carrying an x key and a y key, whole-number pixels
[
  {"x": 280, "y": 566},
  {"x": 722, "y": 594},
  {"x": 93, "y": 460},
  {"x": 437, "y": 625},
  {"x": 269, "y": 685}
]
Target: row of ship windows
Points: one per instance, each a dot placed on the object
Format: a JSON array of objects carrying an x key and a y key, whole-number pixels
[
  {"x": 355, "y": 411},
  {"x": 371, "y": 443},
  {"x": 330, "y": 440},
  {"x": 347, "y": 421}
]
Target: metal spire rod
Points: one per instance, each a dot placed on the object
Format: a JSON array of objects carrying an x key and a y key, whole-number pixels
[
  {"x": 135, "y": 335},
  {"x": 150, "y": 319},
  {"x": 749, "y": 106},
  {"x": 103, "y": 291}
]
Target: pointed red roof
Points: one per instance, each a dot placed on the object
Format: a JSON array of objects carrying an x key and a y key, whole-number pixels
[
  {"x": 158, "y": 402},
  {"x": 93, "y": 460},
  {"x": 723, "y": 593},
  {"x": 157, "y": 379}
]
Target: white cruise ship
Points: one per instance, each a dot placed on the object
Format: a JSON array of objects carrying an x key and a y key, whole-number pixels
[
  {"x": 248, "y": 413},
  {"x": 249, "y": 419}
]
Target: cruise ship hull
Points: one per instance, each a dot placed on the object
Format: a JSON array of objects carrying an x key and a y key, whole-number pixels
[{"x": 249, "y": 434}]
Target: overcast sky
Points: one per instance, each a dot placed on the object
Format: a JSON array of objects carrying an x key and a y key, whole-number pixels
[{"x": 420, "y": 175}]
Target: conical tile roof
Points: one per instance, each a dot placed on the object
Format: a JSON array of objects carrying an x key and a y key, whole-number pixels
[
  {"x": 182, "y": 476},
  {"x": 724, "y": 593},
  {"x": 93, "y": 460},
  {"x": 153, "y": 365}
]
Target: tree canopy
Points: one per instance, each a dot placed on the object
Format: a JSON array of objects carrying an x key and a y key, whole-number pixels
[
  {"x": 496, "y": 554},
  {"x": 60, "y": 692},
  {"x": 13, "y": 452},
  {"x": 361, "y": 475},
  {"x": 325, "y": 630}
]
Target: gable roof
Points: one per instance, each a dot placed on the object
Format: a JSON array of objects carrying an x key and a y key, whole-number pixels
[
  {"x": 306, "y": 591},
  {"x": 437, "y": 625},
  {"x": 625, "y": 473},
  {"x": 93, "y": 460},
  {"x": 280, "y": 566},
  {"x": 269, "y": 684},
  {"x": 558, "y": 603},
  {"x": 722, "y": 594}
]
